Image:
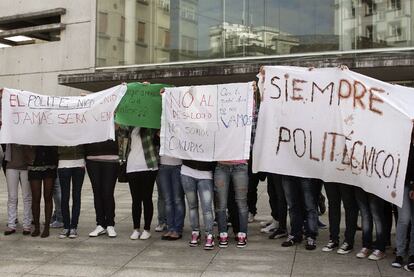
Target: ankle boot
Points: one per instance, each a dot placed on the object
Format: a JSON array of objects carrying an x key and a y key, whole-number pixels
[
  {"x": 36, "y": 231},
  {"x": 45, "y": 232}
]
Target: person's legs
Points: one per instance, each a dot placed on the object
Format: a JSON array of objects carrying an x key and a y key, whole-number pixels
[
  {"x": 165, "y": 187},
  {"x": 404, "y": 217},
  {"x": 12, "y": 180},
  {"x": 292, "y": 189},
  {"x": 366, "y": 217},
  {"x": 351, "y": 212},
  {"x": 377, "y": 206},
  {"x": 109, "y": 177},
  {"x": 252, "y": 191},
  {"x": 148, "y": 189},
  {"x": 221, "y": 189},
  {"x": 240, "y": 183},
  {"x": 190, "y": 190},
  {"x": 57, "y": 218},
  {"x": 334, "y": 213},
  {"x": 161, "y": 207},
  {"x": 94, "y": 171},
  {"x": 178, "y": 199},
  {"x": 36, "y": 187},
  {"x": 281, "y": 206},
  {"x": 136, "y": 195},
  {"x": 78, "y": 175},
  {"x": 65, "y": 175},
  {"x": 48, "y": 186},
  {"x": 271, "y": 191},
  {"x": 27, "y": 200},
  {"x": 205, "y": 192},
  {"x": 310, "y": 192}
]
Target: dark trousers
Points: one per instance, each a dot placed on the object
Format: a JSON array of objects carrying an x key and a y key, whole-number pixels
[
  {"x": 277, "y": 199},
  {"x": 141, "y": 185},
  {"x": 76, "y": 174},
  {"x": 103, "y": 175},
  {"x": 252, "y": 189},
  {"x": 336, "y": 193}
]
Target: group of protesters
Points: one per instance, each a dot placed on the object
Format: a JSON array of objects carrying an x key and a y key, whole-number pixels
[{"x": 228, "y": 186}]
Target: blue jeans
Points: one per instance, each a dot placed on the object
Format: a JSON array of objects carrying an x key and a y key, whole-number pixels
[
  {"x": 301, "y": 200},
  {"x": 77, "y": 175},
  {"x": 203, "y": 188},
  {"x": 405, "y": 215},
  {"x": 240, "y": 182},
  {"x": 57, "y": 199},
  {"x": 169, "y": 182},
  {"x": 372, "y": 211},
  {"x": 162, "y": 219}
]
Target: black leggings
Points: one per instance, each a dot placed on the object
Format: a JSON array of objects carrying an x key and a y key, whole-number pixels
[
  {"x": 141, "y": 185},
  {"x": 36, "y": 186}
]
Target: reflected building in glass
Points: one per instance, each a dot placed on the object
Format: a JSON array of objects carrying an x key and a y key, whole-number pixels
[{"x": 212, "y": 41}]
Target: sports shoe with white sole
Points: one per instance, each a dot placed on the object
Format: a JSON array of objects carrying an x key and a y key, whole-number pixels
[
  {"x": 135, "y": 234},
  {"x": 111, "y": 231},
  {"x": 145, "y": 235},
  {"x": 270, "y": 228},
  {"x": 99, "y": 230}
]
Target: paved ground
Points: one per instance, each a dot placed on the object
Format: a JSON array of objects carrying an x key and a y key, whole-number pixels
[{"x": 102, "y": 256}]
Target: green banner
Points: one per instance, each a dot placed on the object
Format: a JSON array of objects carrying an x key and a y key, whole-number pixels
[{"x": 141, "y": 106}]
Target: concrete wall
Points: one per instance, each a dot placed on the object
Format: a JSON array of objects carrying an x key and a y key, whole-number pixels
[{"x": 35, "y": 67}]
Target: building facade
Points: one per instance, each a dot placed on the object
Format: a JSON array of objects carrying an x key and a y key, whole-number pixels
[{"x": 100, "y": 43}]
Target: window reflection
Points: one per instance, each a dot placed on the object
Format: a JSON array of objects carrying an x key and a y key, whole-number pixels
[{"x": 160, "y": 31}]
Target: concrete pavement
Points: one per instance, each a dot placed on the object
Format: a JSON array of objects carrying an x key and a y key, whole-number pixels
[{"x": 103, "y": 256}]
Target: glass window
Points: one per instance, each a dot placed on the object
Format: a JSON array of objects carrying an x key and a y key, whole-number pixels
[{"x": 159, "y": 31}]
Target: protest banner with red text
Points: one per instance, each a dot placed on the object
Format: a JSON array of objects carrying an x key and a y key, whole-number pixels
[{"x": 335, "y": 125}]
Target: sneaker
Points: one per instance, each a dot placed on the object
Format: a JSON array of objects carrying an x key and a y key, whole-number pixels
[
  {"x": 111, "y": 231},
  {"x": 64, "y": 234},
  {"x": 410, "y": 265},
  {"x": 345, "y": 248},
  {"x": 161, "y": 227},
  {"x": 9, "y": 231},
  {"x": 145, "y": 235},
  {"x": 56, "y": 224},
  {"x": 290, "y": 241},
  {"x": 397, "y": 263},
  {"x": 27, "y": 231},
  {"x": 363, "y": 253},
  {"x": 241, "y": 240},
  {"x": 195, "y": 238},
  {"x": 209, "y": 244},
  {"x": 223, "y": 240},
  {"x": 331, "y": 245},
  {"x": 265, "y": 223},
  {"x": 73, "y": 233},
  {"x": 310, "y": 243},
  {"x": 250, "y": 218},
  {"x": 99, "y": 230},
  {"x": 135, "y": 234},
  {"x": 279, "y": 233},
  {"x": 270, "y": 228},
  {"x": 376, "y": 255}
]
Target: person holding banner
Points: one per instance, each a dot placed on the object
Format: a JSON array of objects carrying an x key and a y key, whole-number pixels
[
  {"x": 142, "y": 168},
  {"x": 406, "y": 217},
  {"x": 42, "y": 169},
  {"x": 17, "y": 173},
  {"x": 197, "y": 181},
  {"x": 102, "y": 164},
  {"x": 71, "y": 167}
]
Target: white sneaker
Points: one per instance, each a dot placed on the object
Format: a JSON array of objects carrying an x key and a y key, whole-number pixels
[
  {"x": 270, "y": 228},
  {"x": 265, "y": 223},
  {"x": 160, "y": 227},
  {"x": 73, "y": 234},
  {"x": 99, "y": 230},
  {"x": 145, "y": 235},
  {"x": 135, "y": 235},
  {"x": 64, "y": 233},
  {"x": 250, "y": 218},
  {"x": 111, "y": 231}
]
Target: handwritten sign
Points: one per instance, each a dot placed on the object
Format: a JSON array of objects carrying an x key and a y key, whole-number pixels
[
  {"x": 207, "y": 123},
  {"x": 34, "y": 119},
  {"x": 141, "y": 106},
  {"x": 335, "y": 125}
]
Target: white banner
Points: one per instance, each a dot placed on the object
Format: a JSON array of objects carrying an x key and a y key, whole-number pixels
[
  {"x": 207, "y": 123},
  {"x": 335, "y": 125},
  {"x": 34, "y": 119}
]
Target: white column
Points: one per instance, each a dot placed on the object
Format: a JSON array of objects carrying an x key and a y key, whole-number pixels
[{"x": 131, "y": 26}]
